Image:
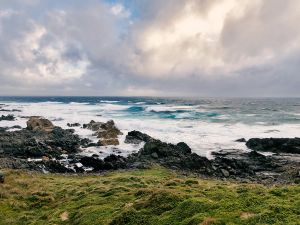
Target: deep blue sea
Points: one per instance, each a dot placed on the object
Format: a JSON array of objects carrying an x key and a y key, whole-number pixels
[{"x": 206, "y": 124}]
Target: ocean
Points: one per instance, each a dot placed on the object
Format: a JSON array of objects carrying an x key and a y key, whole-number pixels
[{"x": 205, "y": 124}]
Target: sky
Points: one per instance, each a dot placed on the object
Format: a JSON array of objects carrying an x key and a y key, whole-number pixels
[{"x": 199, "y": 48}]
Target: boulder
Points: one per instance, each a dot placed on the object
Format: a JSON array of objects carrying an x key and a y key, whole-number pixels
[
  {"x": 39, "y": 123},
  {"x": 276, "y": 145}
]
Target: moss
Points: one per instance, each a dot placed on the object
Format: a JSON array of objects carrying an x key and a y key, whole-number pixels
[{"x": 154, "y": 196}]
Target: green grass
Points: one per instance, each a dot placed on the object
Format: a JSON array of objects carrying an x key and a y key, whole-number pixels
[{"x": 155, "y": 196}]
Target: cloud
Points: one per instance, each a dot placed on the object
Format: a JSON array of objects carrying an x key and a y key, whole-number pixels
[
  {"x": 171, "y": 47},
  {"x": 32, "y": 55}
]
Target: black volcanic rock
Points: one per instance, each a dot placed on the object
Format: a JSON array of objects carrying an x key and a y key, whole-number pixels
[
  {"x": 241, "y": 140},
  {"x": 171, "y": 156},
  {"x": 276, "y": 145},
  {"x": 73, "y": 124},
  {"x": 36, "y": 143},
  {"x": 8, "y": 117},
  {"x": 111, "y": 162},
  {"x": 136, "y": 137}
]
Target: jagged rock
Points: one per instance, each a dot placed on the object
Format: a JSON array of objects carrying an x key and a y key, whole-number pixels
[
  {"x": 73, "y": 124},
  {"x": 94, "y": 162},
  {"x": 136, "y": 137},
  {"x": 172, "y": 156},
  {"x": 36, "y": 143},
  {"x": 241, "y": 140},
  {"x": 116, "y": 161},
  {"x": 56, "y": 167},
  {"x": 8, "y": 117},
  {"x": 184, "y": 148},
  {"x": 111, "y": 162},
  {"x": 277, "y": 145},
  {"x": 106, "y": 132},
  {"x": 39, "y": 123}
]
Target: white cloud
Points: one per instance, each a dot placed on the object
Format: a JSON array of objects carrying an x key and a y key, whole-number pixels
[
  {"x": 119, "y": 10},
  {"x": 152, "y": 47},
  {"x": 228, "y": 36}
]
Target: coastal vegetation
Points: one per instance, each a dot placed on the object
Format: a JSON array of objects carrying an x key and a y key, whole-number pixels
[{"x": 149, "y": 196}]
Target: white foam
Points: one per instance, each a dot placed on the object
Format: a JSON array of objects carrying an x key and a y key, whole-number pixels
[
  {"x": 107, "y": 101},
  {"x": 79, "y": 103},
  {"x": 170, "y": 108},
  {"x": 203, "y": 137}
]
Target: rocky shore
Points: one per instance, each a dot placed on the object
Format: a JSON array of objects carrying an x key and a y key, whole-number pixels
[{"x": 41, "y": 146}]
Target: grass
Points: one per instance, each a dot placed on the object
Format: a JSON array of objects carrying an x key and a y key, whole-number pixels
[{"x": 155, "y": 196}]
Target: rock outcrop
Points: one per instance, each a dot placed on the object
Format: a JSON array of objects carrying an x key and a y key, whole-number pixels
[
  {"x": 39, "y": 123},
  {"x": 177, "y": 156},
  {"x": 252, "y": 166},
  {"x": 276, "y": 145},
  {"x": 40, "y": 139},
  {"x": 137, "y": 137},
  {"x": 106, "y": 132}
]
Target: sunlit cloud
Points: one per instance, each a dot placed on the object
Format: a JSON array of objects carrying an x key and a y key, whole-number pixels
[{"x": 202, "y": 47}]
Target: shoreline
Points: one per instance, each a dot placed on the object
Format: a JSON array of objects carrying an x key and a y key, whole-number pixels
[{"x": 58, "y": 150}]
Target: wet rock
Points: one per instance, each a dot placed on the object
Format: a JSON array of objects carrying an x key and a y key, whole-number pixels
[
  {"x": 171, "y": 156},
  {"x": 39, "y": 123},
  {"x": 184, "y": 148},
  {"x": 73, "y": 124},
  {"x": 16, "y": 127},
  {"x": 36, "y": 143},
  {"x": 241, "y": 140},
  {"x": 243, "y": 166},
  {"x": 136, "y": 137},
  {"x": 106, "y": 142},
  {"x": 94, "y": 162},
  {"x": 106, "y": 132},
  {"x": 8, "y": 117},
  {"x": 56, "y": 167},
  {"x": 276, "y": 145},
  {"x": 111, "y": 162},
  {"x": 116, "y": 161},
  {"x": 3, "y": 129}
]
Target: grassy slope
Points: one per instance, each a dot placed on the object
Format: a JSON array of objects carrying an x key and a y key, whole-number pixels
[{"x": 156, "y": 196}]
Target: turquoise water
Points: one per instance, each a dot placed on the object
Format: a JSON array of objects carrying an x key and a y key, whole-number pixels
[
  {"x": 206, "y": 124},
  {"x": 249, "y": 111}
]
